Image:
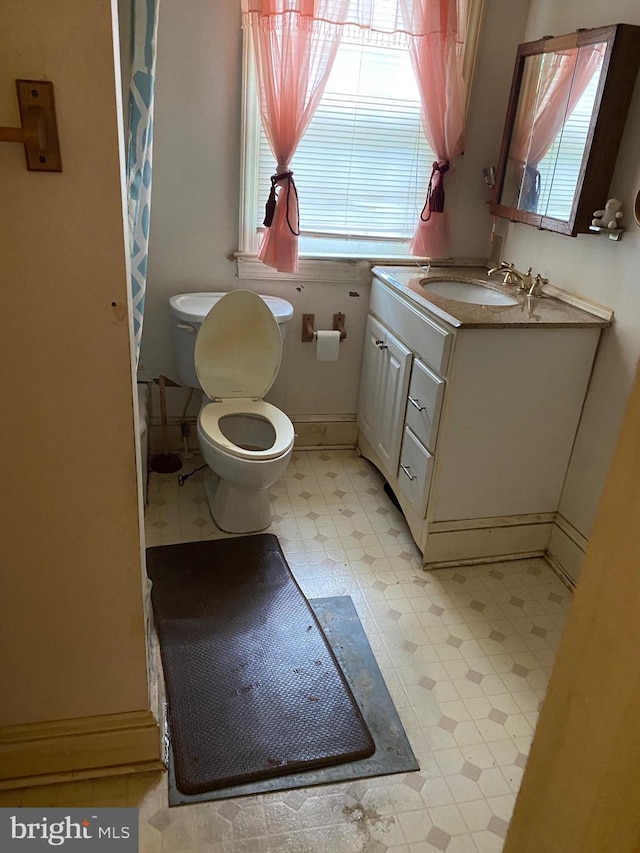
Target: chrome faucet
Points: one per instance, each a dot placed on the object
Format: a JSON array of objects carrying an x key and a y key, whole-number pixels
[{"x": 513, "y": 276}]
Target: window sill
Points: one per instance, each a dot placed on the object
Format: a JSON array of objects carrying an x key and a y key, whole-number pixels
[
  {"x": 350, "y": 271},
  {"x": 328, "y": 269},
  {"x": 337, "y": 269}
]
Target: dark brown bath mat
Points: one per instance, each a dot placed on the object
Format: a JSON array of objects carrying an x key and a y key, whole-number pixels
[{"x": 253, "y": 687}]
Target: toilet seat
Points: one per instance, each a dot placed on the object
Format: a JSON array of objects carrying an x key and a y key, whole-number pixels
[{"x": 210, "y": 430}]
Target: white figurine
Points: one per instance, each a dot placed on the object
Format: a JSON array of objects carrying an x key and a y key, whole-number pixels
[{"x": 610, "y": 216}]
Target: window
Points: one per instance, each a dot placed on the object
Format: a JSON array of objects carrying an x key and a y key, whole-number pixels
[{"x": 363, "y": 165}]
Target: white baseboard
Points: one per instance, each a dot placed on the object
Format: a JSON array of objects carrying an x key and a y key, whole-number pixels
[
  {"x": 330, "y": 434},
  {"x": 83, "y": 748},
  {"x": 481, "y": 543},
  {"x": 567, "y": 549}
]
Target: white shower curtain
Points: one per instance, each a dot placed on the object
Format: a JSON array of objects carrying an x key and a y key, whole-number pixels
[{"x": 140, "y": 150}]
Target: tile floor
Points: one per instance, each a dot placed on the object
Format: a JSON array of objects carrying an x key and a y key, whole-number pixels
[{"x": 466, "y": 654}]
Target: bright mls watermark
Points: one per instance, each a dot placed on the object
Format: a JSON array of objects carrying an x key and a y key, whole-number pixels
[{"x": 79, "y": 830}]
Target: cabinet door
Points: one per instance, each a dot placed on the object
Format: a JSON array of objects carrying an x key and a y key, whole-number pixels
[
  {"x": 386, "y": 369},
  {"x": 371, "y": 378},
  {"x": 394, "y": 384}
]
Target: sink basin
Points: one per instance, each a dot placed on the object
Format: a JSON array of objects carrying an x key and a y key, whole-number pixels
[{"x": 467, "y": 291}]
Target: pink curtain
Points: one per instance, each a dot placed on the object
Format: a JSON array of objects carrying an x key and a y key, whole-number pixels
[
  {"x": 436, "y": 52},
  {"x": 294, "y": 49},
  {"x": 562, "y": 89},
  {"x": 525, "y": 115}
]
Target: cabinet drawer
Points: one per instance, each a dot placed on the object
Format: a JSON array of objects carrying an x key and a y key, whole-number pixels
[
  {"x": 414, "y": 474},
  {"x": 424, "y": 403}
]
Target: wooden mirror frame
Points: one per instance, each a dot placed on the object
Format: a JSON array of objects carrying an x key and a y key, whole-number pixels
[{"x": 617, "y": 80}]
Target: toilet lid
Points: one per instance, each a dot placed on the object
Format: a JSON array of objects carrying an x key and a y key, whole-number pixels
[{"x": 238, "y": 348}]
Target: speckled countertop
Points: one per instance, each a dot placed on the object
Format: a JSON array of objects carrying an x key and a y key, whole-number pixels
[{"x": 529, "y": 311}]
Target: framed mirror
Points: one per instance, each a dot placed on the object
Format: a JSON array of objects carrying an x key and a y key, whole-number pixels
[{"x": 568, "y": 106}]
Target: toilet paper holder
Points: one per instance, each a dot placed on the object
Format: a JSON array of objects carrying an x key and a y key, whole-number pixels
[{"x": 309, "y": 333}]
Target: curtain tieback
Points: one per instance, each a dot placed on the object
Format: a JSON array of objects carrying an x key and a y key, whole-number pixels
[
  {"x": 435, "y": 190},
  {"x": 270, "y": 206}
]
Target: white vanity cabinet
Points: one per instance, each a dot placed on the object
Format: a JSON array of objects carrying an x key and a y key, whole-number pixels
[
  {"x": 472, "y": 427},
  {"x": 401, "y": 393}
]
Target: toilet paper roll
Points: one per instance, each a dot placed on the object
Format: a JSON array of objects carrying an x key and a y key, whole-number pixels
[{"x": 327, "y": 346}]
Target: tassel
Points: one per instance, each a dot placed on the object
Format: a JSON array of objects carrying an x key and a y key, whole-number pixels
[
  {"x": 270, "y": 206},
  {"x": 435, "y": 190}
]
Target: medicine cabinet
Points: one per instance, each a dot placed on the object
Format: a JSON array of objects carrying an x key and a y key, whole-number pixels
[{"x": 567, "y": 110}]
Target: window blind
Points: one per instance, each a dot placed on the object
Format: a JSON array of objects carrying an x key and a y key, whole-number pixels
[{"x": 363, "y": 166}]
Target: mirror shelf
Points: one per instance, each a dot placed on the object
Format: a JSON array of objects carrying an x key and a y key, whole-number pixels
[
  {"x": 612, "y": 233},
  {"x": 567, "y": 110}
]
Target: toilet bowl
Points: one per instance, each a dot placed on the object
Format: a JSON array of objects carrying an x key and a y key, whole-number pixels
[{"x": 245, "y": 441}]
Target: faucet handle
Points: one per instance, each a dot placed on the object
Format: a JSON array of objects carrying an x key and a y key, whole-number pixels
[
  {"x": 538, "y": 284},
  {"x": 527, "y": 281}
]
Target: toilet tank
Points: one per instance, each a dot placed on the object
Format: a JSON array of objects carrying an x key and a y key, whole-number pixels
[{"x": 188, "y": 310}]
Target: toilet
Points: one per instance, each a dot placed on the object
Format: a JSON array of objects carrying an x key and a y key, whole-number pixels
[{"x": 245, "y": 441}]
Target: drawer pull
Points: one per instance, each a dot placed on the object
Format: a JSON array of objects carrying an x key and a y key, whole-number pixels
[
  {"x": 416, "y": 404},
  {"x": 381, "y": 345},
  {"x": 407, "y": 472}
]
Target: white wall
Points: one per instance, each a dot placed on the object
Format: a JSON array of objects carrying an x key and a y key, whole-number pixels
[
  {"x": 600, "y": 269},
  {"x": 194, "y": 222},
  {"x": 72, "y": 628}
]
